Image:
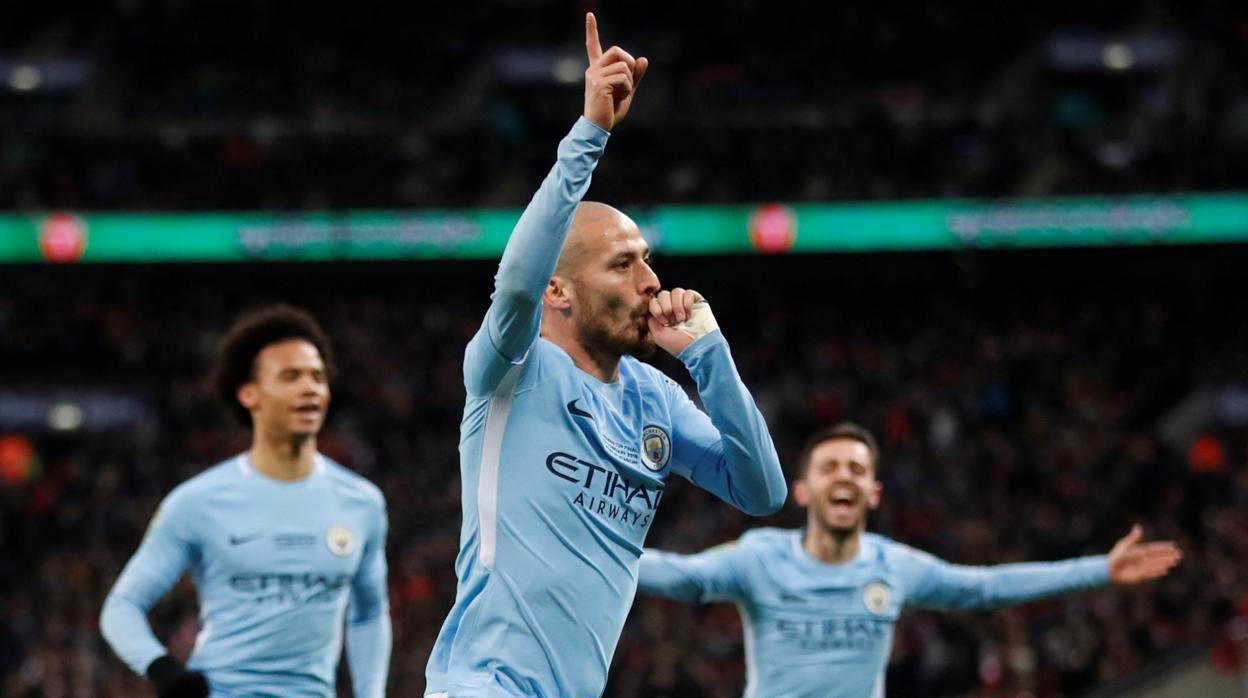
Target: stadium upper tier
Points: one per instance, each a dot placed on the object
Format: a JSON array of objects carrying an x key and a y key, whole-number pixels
[{"x": 163, "y": 105}]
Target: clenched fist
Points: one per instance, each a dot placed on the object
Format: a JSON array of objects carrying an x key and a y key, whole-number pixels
[{"x": 678, "y": 318}]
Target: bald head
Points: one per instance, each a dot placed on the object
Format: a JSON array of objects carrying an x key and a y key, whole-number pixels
[
  {"x": 594, "y": 226},
  {"x": 596, "y": 303}
]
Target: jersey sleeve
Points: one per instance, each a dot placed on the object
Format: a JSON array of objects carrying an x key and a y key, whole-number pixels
[
  {"x": 369, "y": 636},
  {"x": 512, "y": 322},
  {"x": 726, "y": 450},
  {"x": 168, "y": 548},
  {"x": 934, "y": 583},
  {"x": 716, "y": 574}
]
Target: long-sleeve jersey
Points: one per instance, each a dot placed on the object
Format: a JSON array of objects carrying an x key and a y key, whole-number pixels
[
  {"x": 818, "y": 629},
  {"x": 277, "y": 567},
  {"x": 562, "y": 473}
]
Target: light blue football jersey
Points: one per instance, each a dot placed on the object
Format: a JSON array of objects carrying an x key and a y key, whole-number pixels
[
  {"x": 278, "y": 566},
  {"x": 814, "y": 629},
  {"x": 563, "y": 473}
]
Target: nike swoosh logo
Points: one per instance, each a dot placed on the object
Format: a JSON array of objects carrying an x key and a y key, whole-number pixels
[
  {"x": 578, "y": 411},
  {"x": 239, "y": 540}
]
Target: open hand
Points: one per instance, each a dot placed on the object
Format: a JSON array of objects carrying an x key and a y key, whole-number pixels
[{"x": 1131, "y": 561}]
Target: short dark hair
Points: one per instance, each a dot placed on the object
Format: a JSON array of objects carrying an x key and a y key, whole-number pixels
[
  {"x": 251, "y": 333},
  {"x": 843, "y": 430}
]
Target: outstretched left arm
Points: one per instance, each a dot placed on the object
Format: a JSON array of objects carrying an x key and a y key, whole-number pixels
[{"x": 938, "y": 584}]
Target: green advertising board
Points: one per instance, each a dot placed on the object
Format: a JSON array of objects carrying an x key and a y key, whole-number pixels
[{"x": 676, "y": 230}]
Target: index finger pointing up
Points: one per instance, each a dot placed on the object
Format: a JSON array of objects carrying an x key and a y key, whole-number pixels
[{"x": 592, "y": 46}]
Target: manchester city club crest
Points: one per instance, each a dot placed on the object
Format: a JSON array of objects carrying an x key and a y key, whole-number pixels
[
  {"x": 656, "y": 447},
  {"x": 876, "y": 596},
  {"x": 340, "y": 540}
]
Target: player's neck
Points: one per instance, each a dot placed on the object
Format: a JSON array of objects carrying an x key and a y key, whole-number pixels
[
  {"x": 832, "y": 547},
  {"x": 283, "y": 457},
  {"x": 604, "y": 366}
]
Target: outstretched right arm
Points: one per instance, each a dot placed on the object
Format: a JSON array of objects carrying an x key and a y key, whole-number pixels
[
  {"x": 711, "y": 575},
  {"x": 165, "y": 553},
  {"x": 513, "y": 320}
]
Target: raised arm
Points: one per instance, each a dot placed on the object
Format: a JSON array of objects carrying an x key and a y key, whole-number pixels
[{"x": 514, "y": 317}]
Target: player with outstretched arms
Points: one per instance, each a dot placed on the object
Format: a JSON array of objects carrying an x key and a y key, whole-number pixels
[
  {"x": 286, "y": 547},
  {"x": 568, "y": 439},
  {"x": 819, "y": 604}
]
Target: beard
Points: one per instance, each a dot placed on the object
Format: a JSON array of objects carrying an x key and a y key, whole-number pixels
[
  {"x": 840, "y": 528},
  {"x": 609, "y": 327}
]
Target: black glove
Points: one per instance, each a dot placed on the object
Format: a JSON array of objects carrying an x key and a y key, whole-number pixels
[{"x": 172, "y": 680}]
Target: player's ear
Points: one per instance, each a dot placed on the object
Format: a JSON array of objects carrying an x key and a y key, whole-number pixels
[
  {"x": 801, "y": 495},
  {"x": 873, "y": 500},
  {"x": 558, "y": 294},
  {"x": 248, "y": 395}
]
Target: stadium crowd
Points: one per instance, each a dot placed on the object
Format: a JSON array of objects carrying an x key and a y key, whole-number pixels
[
  {"x": 1019, "y": 420},
  {"x": 164, "y": 105}
]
